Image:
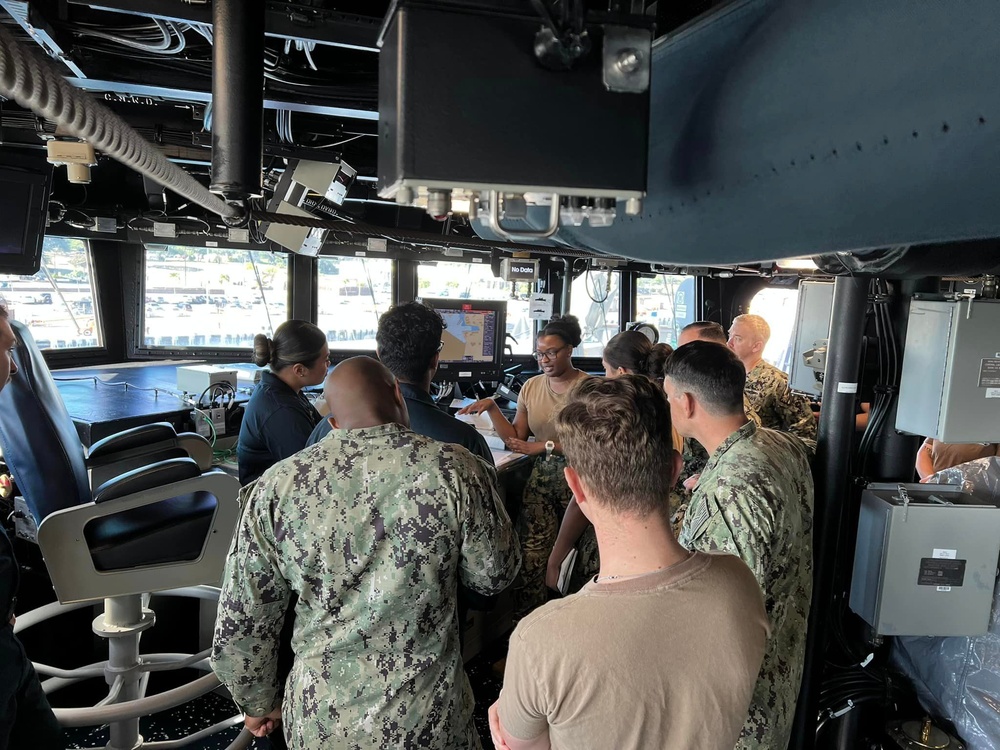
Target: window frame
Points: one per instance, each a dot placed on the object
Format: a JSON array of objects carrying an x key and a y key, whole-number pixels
[
  {"x": 83, "y": 355},
  {"x": 142, "y": 352},
  {"x": 339, "y": 354},
  {"x": 626, "y": 302}
]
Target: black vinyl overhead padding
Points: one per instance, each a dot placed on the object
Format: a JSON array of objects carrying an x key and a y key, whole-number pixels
[{"x": 785, "y": 128}]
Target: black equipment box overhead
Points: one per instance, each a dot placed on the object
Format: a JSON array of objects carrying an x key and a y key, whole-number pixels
[{"x": 465, "y": 104}]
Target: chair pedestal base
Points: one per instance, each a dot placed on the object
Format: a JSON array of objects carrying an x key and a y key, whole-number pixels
[
  {"x": 127, "y": 673},
  {"x": 123, "y": 620}
]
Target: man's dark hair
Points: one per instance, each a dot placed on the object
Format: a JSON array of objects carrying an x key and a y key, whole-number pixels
[
  {"x": 707, "y": 330},
  {"x": 566, "y": 327},
  {"x": 616, "y": 434},
  {"x": 408, "y": 337},
  {"x": 712, "y": 373}
]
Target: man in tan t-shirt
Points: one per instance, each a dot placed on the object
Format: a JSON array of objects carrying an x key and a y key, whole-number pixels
[{"x": 663, "y": 648}]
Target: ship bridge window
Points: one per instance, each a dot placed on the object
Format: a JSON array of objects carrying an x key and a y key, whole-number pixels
[
  {"x": 777, "y": 305},
  {"x": 58, "y": 304},
  {"x": 666, "y": 301},
  {"x": 212, "y": 297},
  {"x": 476, "y": 281},
  {"x": 353, "y": 293},
  {"x": 594, "y": 299}
]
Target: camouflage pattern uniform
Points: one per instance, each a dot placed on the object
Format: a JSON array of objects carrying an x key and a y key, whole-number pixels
[
  {"x": 694, "y": 458},
  {"x": 546, "y": 496},
  {"x": 588, "y": 561},
  {"x": 755, "y": 500},
  {"x": 776, "y": 405},
  {"x": 372, "y": 529}
]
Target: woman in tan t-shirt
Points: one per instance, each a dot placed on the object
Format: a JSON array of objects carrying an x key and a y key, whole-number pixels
[{"x": 546, "y": 494}]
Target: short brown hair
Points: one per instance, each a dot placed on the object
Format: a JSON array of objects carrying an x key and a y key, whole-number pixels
[{"x": 616, "y": 434}]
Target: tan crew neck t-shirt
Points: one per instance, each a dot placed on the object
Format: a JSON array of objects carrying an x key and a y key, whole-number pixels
[
  {"x": 539, "y": 402},
  {"x": 664, "y": 660}
]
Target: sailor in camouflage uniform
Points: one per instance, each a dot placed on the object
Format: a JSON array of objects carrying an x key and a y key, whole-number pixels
[
  {"x": 755, "y": 500},
  {"x": 371, "y": 528},
  {"x": 767, "y": 386}
]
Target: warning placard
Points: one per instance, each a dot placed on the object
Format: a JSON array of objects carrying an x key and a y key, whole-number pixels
[
  {"x": 989, "y": 373},
  {"x": 935, "y": 571}
]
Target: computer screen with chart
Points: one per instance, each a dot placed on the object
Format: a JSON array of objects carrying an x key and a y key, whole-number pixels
[{"x": 473, "y": 339}]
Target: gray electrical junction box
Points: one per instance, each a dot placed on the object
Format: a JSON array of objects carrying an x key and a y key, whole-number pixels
[
  {"x": 950, "y": 385},
  {"x": 925, "y": 561}
]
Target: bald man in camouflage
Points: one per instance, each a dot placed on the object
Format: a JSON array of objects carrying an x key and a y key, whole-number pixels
[
  {"x": 371, "y": 528},
  {"x": 755, "y": 500}
]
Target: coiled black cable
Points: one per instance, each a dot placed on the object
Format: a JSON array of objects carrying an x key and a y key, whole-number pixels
[{"x": 36, "y": 84}]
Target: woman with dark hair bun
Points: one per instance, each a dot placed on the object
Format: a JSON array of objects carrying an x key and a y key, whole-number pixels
[
  {"x": 628, "y": 353},
  {"x": 278, "y": 419},
  {"x": 546, "y": 494},
  {"x": 632, "y": 353}
]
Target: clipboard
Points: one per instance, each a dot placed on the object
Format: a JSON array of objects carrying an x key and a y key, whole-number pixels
[{"x": 566, "y": 571}]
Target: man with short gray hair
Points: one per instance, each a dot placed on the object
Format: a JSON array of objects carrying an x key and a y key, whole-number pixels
[
  {"x": 767, "y": 386},
  {"x": 754, "y": 499}
]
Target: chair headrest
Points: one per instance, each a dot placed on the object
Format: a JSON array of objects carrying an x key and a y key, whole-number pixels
[{"x": 40, "y": 442}]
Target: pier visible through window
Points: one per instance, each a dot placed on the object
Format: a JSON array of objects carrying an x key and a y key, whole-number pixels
[
  {"x": 58, "y": 303},
  {"x": 595, "y": 300},
  {"x": 353, "y": 293},
  {"x": 212, "y": 297},
  {"x": 666, "y": 301}
]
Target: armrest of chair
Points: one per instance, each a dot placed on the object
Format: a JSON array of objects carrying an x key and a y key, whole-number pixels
[
  {"x": 102, "y": 475},
  {"x": 141, "y": 446},
  {"x": 147, "y": 478},
  {"x": 128, "y": 440},
  {"x": 197, "y": 447},
  {"x": 75, "y": 576}
]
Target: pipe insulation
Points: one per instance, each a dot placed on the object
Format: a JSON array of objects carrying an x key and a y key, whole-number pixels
[{"x": 35, "y": 83}]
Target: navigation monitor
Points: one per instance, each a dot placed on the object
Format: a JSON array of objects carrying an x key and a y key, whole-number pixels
[{"x": 473, "y": 340}]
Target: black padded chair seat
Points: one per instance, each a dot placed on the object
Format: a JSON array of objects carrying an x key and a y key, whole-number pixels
[{"x": 173, "y": 530}]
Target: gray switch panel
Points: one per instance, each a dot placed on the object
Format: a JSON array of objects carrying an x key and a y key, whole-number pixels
[
  {"x": 950, "y": 385},
  {"x": 926, "y": 567},
  {"x": 812, "y": 333}
]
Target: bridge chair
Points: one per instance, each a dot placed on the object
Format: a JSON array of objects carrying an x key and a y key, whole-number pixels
[{"x": 144, "y": 512}]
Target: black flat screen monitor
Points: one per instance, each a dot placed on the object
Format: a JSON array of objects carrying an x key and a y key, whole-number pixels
[
  {"x": 473, "y": 340},
  {"x": 24, "y": 196}
]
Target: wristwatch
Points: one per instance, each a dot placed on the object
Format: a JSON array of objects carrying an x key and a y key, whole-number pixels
[{"x": 549, "y": 447}]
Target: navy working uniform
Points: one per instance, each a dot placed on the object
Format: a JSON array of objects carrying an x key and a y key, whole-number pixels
[
  {"x": 276, "y": 424},
  {"x": 26, "y": 720},
  {"x": 372, "y": 529},
  {"x": 777, "y": 406},
  {"x": 427, "y": 419},
  {"x": 755, "y": 500}
]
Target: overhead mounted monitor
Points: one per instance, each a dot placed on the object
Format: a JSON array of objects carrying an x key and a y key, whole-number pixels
[
  {"x": 24, "y": 194},
  {"x": 473, "y": 340}
]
